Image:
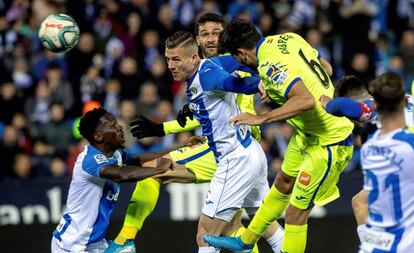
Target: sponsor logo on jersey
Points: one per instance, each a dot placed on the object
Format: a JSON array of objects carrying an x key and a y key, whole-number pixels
[
  {"x": 304, "y": 178},
  {"x": 276, "y": 75},
  {"x": 99, "y": 158},
  {"x": 112, "y": 196}
]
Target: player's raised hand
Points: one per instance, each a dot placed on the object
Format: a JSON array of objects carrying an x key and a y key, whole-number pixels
[
  {"x": 194, "y": 140},
  {"x": 247, "y": 119},
  {"x": 324, "y": 101},
  {"x": 264, "y": 96},
  {"x": 183, "y": 114},
  {"x": 142, "y": 127}
]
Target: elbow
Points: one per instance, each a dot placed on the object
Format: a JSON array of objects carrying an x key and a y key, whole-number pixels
[{"x": 308, "y": 103}]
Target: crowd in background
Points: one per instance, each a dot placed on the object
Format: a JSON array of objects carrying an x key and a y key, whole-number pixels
[{"x": 119, "y": 64}]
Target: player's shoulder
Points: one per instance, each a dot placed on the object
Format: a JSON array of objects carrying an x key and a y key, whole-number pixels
[
  {"x": 404, "y": 136},
  {"x": 93, "y": 157}
]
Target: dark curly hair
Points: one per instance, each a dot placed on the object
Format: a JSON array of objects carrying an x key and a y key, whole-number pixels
[
  {"x": 238, "y": 34},
  {"x": 89, "y": 122},
  {"x": 351, "y": 87},
  {"x": 209, "y": 17}
]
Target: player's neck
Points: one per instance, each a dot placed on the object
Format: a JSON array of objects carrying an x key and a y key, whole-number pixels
[
  {"x": 108, "y": 151},
  {"x": 392, "y": 122}
]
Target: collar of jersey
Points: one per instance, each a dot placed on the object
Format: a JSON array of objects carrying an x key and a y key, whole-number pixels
[
  {"x": 262, "y": 39},
  {"x": 190, "y": 80}
]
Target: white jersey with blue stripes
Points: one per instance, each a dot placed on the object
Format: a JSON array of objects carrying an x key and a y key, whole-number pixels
[
  {"x": 387, "y": 163},
  {"x": 90, "y": 201},
  {"x": 213, "y": 103}
]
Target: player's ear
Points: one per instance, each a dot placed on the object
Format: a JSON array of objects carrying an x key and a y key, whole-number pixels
[{"x": 98, "y": 137}]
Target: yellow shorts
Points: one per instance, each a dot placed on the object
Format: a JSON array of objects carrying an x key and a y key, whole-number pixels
[
  {"x": 199, "y": 160},
  {"x": 316, "y": 168}
]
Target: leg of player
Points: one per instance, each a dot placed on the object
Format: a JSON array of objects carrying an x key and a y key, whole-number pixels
[
  {"x": 360, "y": 209},
  {"x": 273, "y": 234}
]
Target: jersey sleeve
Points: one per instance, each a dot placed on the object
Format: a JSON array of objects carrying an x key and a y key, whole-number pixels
[
  {"x": 358, "y": 111},
  {"x": 213, "y": 77},
  {"x": 93, "y": 163},
  {"x": 172, "y": 127},
  {"x": 230, "y": 65}
]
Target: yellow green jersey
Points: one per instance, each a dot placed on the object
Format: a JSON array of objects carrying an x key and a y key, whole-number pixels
[{"x": 287, "y": 58}]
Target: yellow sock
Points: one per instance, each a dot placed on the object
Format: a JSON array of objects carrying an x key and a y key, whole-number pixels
[
  {"x": 294, "y": 240},
  {"x": 273, "y": 206},
  {"x": 239, "y": 232},
  {"x": 141, "y": 205}
]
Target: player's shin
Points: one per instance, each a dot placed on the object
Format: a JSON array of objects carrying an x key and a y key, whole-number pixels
[
  {"x": 294, "y": 240},
  {"x": 141, "y": 205},
  {"x": 273, "y": 206}
]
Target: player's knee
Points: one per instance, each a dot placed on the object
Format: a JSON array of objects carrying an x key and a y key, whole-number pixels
[
  {"x": 284, "y": 183},
  {"x": 200, "y": 233},
  {"x": 356, "y": 203}
]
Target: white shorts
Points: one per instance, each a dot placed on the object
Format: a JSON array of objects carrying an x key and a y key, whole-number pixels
[
  {"x": 240, "y": 181},
  {"x": 97, "y": 247},
  {"x": 376, "y": 240}
]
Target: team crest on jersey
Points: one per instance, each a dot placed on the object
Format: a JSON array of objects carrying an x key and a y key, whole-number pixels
[
  {"x": 304, "y": 178},
  {"x": 193, "y": 90},
  {"x": 276, "y": 74},
  {"x": 99, "y": 158}
]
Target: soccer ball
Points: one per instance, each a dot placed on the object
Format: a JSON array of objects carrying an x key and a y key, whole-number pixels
[{"x": 59, "y": 33}]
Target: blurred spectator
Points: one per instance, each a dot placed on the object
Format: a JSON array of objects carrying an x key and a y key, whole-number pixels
[
  {"x": 407, "y": 53},
  {"x": 92, "y": 85},
  {"x": 112, "y": 98},
  {"x": 36, "y": 107},
  {"x": 131, "y": 37},
  {"x": 129, "y": 78},
  {"x": 22, "y": 78},
  {"x": 9, "y": 148},
  {"x": 41, "y": 158},
  {"x": 148, "y": 99},
  {"x": 267, "y": 24},
  {"x": 8, "y": 36},
  {"x": 60, "y": 88},
  {"x": 165, "y": 25},
  {"x": 10, "y": 102},
  {"x": 22, "y": 167},
  {"x": 150, "y": 42},
  {"x": 356, "y": 25},
  {"x": 236, "y": 7},
  {"x": 58, "y": 167},
  {"x": 360, "y": 67},
  {"x": 42, "y": 61},
  {"x": 146, "y": 145},
  {"x": 57, "y": 132},
  {"x": 102, "y": 28},
  {"x": 19, "y": 122},
  {"x": 160, "y": 75},
  {"x": 114, "y": 52},
  {"x": 314, "y": 38}
]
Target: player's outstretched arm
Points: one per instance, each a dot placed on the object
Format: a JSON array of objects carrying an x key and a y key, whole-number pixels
[
  {"x": 142, "y": 127},
  {"x": 299, "y": 101},
  {"x": 346, "y": 107},
  {"x": 130, "y": 173}
]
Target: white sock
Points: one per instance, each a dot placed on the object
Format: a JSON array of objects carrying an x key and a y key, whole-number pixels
[
  {"x": 275, "y": 241},
  {"x": 207, "y": 250},
  {"x": 361, "y": 231}
]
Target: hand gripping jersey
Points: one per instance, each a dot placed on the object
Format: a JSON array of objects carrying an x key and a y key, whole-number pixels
[
  {"x": 387, "y": 163},
  {"x": 90, "y": 201},
  {"x": 284, "y": 60}
]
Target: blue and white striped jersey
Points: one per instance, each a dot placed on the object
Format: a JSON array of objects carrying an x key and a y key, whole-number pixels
[
  {"x": 387, "y": 163},
  {"x": 210, "y": 92},
  {"x": 90, "y": 201}
]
